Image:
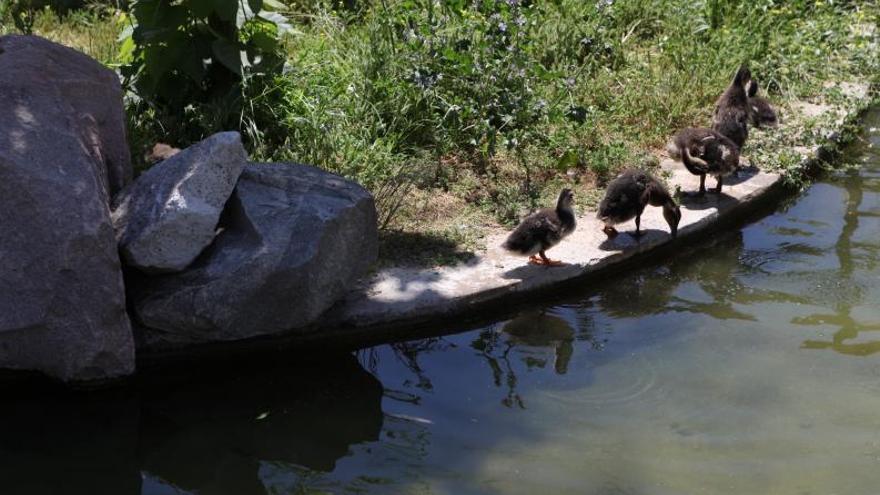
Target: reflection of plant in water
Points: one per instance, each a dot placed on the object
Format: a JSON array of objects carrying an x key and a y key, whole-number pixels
[
  {"x": 404, "y": 436},
  {"x": 408, "y": 354},
  {"x": 488, "y": 344},
  {"x": 524, "y": 334},
  {"x": 369, "y": 359},
  {"x": 842, "y": 318},
  {"x": 716, "y": 270},
  {"x": 663, "y": 289}
]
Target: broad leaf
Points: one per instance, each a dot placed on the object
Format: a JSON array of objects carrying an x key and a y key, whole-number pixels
[
  {"x": 279, "y": 20},
  {"x": 273, "y": 5},
  {"x": 264, "y": 41},
  {"x": 228, "y": 53},
  {"x": 191, "y": 64},
  {"x": 126, "y": 50}
]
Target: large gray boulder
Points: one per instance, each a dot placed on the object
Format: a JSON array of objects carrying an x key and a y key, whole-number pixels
[
  {"x": 62, "y": 302},
  {"x": 169, "y": 214},
  {"x": 86, "y": 93},
  {"x": 294, "y": 239}
]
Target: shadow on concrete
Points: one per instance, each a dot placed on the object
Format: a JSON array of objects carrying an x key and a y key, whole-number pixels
[
  {"x": 626, "y": 239},
  {"x": 708, "y": 200},
  {"x": 742, "y": 175},
  {"x": 419, "y": 250},
  {"x": 528, "y": 270}
]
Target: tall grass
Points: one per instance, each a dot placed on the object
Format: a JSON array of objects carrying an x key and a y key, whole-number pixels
[
  {"x": 519, "y": 95},
  {"x": 499, "y": 102}
]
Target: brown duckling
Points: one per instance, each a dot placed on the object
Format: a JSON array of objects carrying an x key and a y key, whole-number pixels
[
  {"x": 731, "y": 115},
  {"x": 761, "y": 112},
  {"x": 628, "y": 195},
  {"x": 543, "y": 229},
  {"x": 705, "y": 152},
  {"x": 160, "y": 151}
]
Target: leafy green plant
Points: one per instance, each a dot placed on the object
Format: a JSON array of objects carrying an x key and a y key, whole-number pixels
[{"x": 191, "y": 63}]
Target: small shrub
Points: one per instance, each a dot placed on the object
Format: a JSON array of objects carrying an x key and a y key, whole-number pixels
[{"x": 196, "y": 66}]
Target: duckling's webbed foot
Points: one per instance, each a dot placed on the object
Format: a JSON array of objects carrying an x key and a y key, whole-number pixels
[
  {"x": 535, "y": 260},
  {"x": 701, "y": 192},
  {"x": 547, "y": 261}
]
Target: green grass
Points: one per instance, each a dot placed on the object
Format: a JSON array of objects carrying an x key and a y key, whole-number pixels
[
  {"x": 495, "y": 105},
  {"x": 93, "y": 30}
]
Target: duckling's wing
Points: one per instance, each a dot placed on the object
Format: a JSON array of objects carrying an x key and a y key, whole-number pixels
[
  {"x": 534, "y": 232},
  {"x": 721, "y": 154},
  {"x": 709, "y": 148},
  {"x": 522, "y": 239},
  {"x": 551, "y": 231}
]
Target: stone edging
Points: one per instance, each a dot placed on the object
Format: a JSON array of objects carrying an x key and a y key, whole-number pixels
[{"x": 401, "y": 303}]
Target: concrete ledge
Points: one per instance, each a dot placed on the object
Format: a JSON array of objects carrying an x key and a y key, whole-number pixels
[
  {"x": 398, "y": 296},
  {"x": 406, "y": 303}
]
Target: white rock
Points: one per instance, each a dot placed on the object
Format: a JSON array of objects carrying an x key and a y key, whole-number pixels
[{"x": 169, "y": 214}]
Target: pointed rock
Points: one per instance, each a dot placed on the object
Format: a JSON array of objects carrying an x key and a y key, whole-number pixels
[{"x": 166, "y": 217}]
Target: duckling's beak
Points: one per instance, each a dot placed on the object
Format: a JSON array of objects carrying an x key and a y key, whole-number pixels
[{"x": 673, "y": 217}]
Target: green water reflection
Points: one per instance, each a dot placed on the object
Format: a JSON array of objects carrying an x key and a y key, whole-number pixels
[{"x": 858, "y": 252}]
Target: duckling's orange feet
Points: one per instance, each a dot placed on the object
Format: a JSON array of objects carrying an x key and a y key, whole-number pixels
[
  {"x": 547, "y": 261},
  {"x": 535, "y": 260}
]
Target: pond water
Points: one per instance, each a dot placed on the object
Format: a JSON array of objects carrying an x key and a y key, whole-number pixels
[{"x": 747, "y": 365}]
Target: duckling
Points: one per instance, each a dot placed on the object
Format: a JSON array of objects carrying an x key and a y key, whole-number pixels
[
  {"x": 628, "y": 195},
  {"x": 761, "y": 112},
  {"x": 543, "y": 229},
  {"x": 731, "y": 115},
  {"x": 160, "y": 151},
  {"x": 705, "y": 151}
]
